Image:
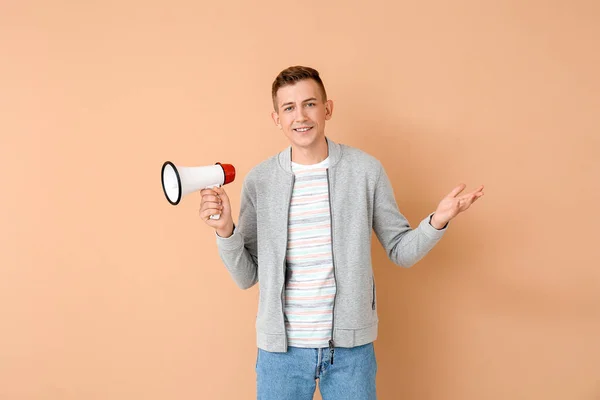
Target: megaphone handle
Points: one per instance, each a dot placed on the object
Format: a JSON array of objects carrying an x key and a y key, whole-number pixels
[{"x": 215, "y": 216}]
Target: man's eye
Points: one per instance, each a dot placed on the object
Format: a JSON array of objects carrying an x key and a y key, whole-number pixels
[
  {"x": 310, "y": 104},
  {"x": 287, "y": 109}
]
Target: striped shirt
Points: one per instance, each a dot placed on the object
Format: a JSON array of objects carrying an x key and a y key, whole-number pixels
[{"x": 310, "y": 284}]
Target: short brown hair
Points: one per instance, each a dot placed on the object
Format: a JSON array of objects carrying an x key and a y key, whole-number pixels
[{"x": 291, "y": 75}]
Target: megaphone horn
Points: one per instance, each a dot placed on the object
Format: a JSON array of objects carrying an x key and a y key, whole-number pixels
[{"x": 177, "y": 181}]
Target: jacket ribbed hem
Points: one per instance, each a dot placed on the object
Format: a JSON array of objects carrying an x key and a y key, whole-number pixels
[{"x": 275, "y": 342}]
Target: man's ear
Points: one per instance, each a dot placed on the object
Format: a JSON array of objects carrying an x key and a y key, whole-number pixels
[
  {"x": 328, "y": 109},
  {"x": 275, "y": 117}
]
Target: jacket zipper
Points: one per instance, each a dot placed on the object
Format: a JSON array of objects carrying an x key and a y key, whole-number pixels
[
  {"x": 284, "y": 263},
  {"x": 331, "y": 343}
]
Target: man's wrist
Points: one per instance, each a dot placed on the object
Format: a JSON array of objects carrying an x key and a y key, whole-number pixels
[
  {"x": 436, "y": 224},
  {"x": 225, "y": 233}
]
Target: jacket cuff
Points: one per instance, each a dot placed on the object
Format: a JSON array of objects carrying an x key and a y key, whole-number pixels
[
  {"x": 232, "y": 242},
  {"x": 430, "y": 230}
]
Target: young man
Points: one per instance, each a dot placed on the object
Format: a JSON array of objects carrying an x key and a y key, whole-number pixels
[{"x": 304, "y": 233}]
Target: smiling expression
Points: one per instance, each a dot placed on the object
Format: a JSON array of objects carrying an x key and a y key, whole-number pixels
[{"x": 301, "y": 114}]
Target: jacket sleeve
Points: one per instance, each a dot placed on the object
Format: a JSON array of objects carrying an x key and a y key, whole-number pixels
[
  {"x": 405, "y": 246},
  {"x": 239, "y": 251}
]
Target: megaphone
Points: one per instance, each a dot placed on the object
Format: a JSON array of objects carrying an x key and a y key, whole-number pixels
[{"x": 178, "y": 181}]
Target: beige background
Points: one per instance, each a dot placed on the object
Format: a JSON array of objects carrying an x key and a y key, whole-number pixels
[{"x": 108, "y": 292}]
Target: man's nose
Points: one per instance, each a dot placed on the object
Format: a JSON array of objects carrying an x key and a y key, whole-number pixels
[{"x": 300, "y": 116}]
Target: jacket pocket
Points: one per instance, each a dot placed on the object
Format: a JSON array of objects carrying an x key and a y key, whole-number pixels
[{"x": 373, "y": 287}]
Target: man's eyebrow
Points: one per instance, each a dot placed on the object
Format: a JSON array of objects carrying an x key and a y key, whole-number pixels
[{"x": 304, "y": 101}]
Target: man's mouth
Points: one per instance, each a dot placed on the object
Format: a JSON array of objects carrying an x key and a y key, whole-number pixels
[{"x": 303, "y": 129}]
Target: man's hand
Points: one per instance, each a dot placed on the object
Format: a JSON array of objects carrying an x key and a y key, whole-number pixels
[
  {"x": 452, "y": 205},
  {"x": 215, "y": 201}
]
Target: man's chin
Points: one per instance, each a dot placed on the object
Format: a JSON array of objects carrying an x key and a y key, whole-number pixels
[{"x": 304, "y": 140}]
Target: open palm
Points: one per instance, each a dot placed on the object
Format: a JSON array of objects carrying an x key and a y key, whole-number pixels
[{"x": 453, "y": 204}]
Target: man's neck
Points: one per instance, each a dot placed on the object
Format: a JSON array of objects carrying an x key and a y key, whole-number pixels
[{"x": 312, "y": 155}]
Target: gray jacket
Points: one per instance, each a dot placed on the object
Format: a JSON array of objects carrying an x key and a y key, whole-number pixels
[{"x": 361, "y": 199}]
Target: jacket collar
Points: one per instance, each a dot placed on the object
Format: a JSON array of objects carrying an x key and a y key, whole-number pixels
[{"x": 334, "y": 149}]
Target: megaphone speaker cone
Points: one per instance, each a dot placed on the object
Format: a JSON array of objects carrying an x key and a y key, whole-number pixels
[{"x": 171, "y": 182}]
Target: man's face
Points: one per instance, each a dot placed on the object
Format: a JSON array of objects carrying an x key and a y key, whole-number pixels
[{"x": 301, "y": 113}]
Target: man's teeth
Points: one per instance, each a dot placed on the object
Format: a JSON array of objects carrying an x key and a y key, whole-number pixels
[{"x": 301, "y": 129}]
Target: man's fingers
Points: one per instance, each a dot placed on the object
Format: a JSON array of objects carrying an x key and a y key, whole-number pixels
[
  {"x": 476, "y": 194},
  {"x": 465, "y": 201},
  {"x": 205, "y": 213},
  {"x": 457, "y": 190},
  {"x": 211, "y": 198},
  {"x": 221, "y": 192},
  {"x": 470, "y": 198},
  {"x": 211, "y": 206},
  {"x": 209, "y": 191},
  {"x": 478, "y": 190}
]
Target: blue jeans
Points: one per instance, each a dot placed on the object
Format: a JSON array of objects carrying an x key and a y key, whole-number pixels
[{"x": 293, "y": 375}]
